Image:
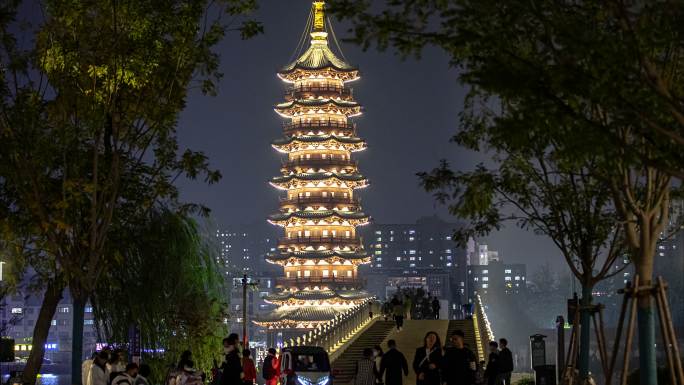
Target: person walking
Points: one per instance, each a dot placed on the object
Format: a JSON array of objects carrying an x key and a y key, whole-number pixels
[
  {"x": 427, "y": 360},
  {"x": 97, "y": 375},
  {"x": 377, "y": 359},
  {"x": 493, "y": 369},
  {"x": 128, "y": 376},
  {"x": 408, "y": 307},
  {"x": 86, "y": 366},
  {"x": 232, "y": 368},
  {"x": 399, "y": 315},
  {"x": 505, "y": 361},
  {"x": 248, "y": 368},
  {"x": 271, "y": 368},
  {"x": 435, "y": 308},
  {"x": 365, "y": 369},
  {"x": 459, "y": 362},
  {"x": 393, "y": 365}
]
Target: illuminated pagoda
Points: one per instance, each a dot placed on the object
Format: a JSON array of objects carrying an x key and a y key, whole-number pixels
[{"x": 320, "y": 251}]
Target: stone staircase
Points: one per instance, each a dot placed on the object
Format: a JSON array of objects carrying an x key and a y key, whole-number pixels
[
  {"x": 467, "y": 327},
  {"x": 410, "y": 338},
  {"x": 345, "y": 364}
]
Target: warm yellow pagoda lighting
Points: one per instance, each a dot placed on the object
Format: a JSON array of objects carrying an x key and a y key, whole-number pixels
[{"x": 319, "y": 15}]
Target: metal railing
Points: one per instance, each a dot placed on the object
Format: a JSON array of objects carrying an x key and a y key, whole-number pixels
[
  {"x": 334, "y": 333},
  {"x": 319, "y": 199},
  {"x": 343, "y": 91},
  {"x": 483, "y": 329},
  {"x": 318, "y": 124},
  {"x": 319, "y": 280},
  {"x": 333, "y": 239},
  {"x": 315, "y": 162}
]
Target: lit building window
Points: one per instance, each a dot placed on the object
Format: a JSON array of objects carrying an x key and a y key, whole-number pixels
[
  {"x": 485, "y": 279},
  {"x": 485, "y": 271},
  {"x": 507, "y": 271},
  {"x": 17, "y": 310},
  {"x": 412, "y": 232},
  {"x": 517, "y": 278},
  {"x": 411, "y": 239},
  {"x": 398, "y": 258},
  {"x": 507, "y": 278},
  {"x": 484, "y": 285}
]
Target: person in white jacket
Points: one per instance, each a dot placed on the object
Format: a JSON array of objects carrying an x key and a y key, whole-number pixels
[
  {"x": 85, "y": 369},
  {"x": 97, "y": 374}
]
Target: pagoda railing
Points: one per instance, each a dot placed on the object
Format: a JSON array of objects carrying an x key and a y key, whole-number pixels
[
  {"x": 284, "y": 281},
  {"x": 334, "y": 333},
  {"x": 334, "y": 239},
  {"x": 318, "y": 124},
  {"x": 315, "y": 162},
  {"x": 343, "y": 91},
  {"x": 319, "y": 199}
]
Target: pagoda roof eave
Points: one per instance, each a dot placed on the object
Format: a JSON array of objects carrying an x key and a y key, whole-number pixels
[
  {"x": 321, "y": 214},
  {"x": 317, "y": 139},
  {"x": 317, "y": 103},
  {"x": 318, "y": 176}
]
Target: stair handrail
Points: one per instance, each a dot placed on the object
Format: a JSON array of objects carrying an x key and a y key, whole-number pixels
[
  {"x": 483, "y": 329},
  {"x": 332, "y": 333}
]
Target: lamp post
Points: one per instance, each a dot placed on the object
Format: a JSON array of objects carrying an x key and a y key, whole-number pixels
[{"x": 245, "y": 284}]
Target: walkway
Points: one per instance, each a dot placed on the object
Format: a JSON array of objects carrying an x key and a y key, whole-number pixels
[{"x": 408, "y": 340}]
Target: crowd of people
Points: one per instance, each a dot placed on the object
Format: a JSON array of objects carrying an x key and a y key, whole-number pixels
[
  {"x": 408, "y": 303},
  {"x": 109, "y": 367},
  {"x": 434, "y": 364}
]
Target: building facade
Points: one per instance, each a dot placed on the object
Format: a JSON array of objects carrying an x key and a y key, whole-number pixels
[
  {"x": 244, "y": 249},
  {"x": 320, "y": 250},
  {"x": 18, "y": 314},
  {"x": 421, "y": 254}
]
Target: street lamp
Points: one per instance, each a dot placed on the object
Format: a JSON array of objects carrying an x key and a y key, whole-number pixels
[{"x": 245, "y": 284}]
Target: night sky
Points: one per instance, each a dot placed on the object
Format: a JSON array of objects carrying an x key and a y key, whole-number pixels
[{"x": 411, "y": 111}]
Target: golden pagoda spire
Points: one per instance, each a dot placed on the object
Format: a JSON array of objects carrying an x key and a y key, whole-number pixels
[{"x": 319, "y": 16}]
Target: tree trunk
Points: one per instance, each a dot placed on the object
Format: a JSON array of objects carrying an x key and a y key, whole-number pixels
[
  {"x": 585, "y": 331},
  {"x": 51, "y": 298},
  {"x": 648, "y": 367},
  {"x": 77, "y": 338}
]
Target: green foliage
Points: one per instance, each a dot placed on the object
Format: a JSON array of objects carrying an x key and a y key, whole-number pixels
[
  {"x": 606, "y": 64},
  {"x": 593, "y": 88},
  {"x": 89, "y": 106},
  {"x": 167, "y": 283}
]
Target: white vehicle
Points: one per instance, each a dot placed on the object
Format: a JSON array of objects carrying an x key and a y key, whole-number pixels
[{"x": 305, "y": 365}]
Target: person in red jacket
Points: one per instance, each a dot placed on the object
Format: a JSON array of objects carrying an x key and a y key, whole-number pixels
[
  {"x": 248, "y": 368},
  {"x": 271, "y": 368}
]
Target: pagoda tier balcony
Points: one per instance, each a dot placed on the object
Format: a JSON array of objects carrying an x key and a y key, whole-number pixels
[
  {"x": 331, "y": 241},
  {"x": 321, "y": 163},
  {"x": 328, "y": 91},
  {"x": 302, "y": 282},
  {"x": 327, "y": 200},
  {"x": 292, "y": 128}
]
